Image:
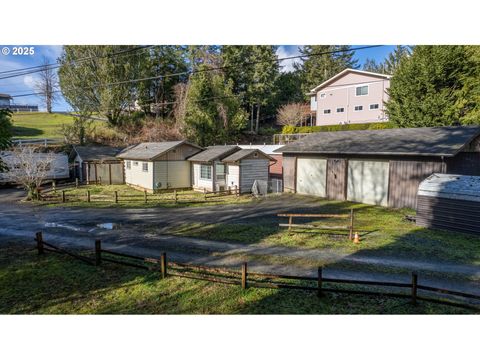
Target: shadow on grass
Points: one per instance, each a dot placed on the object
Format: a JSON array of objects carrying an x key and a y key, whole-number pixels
[{"x": 26, "y": 131}]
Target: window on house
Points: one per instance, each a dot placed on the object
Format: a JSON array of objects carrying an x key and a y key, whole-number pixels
[
  {"x": 361, "y": 90},
  {"x": 373, "y": 106},
  {"x": 145, "y": 166},
  {"x": 326, "y": 111},
  {"x": 129, "y": 164},
  {"x": 205, "y": 172},
  {"x": 358, "y": 108},
  {"x": 340, "y": 110},
  {"x": 220, "y": 171}
]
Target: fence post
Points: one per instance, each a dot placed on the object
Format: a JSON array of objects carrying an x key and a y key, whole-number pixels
[
  {"x": 39, "y": 239},
  {"x": 98, "y": 252},
  {"x": 320, "y": 281},
  {"x": 163, "y": 265},
  {"x": 350, "y": 236},
  {"x": 204, "y": 194},
  {"x": 54, "y": 186},
  {"x": 76, "y": 183},
  {"x": 88, "y": 195},
  {"x": 116, "y": 196},
  {"x": 237, "y": 192},
  {"x": 244, "y": 275},
  {"x": 414, "y": 287},
  {"x": 145, "y": 195},
  {"x": 175, "y": 195},
  {"x": 290, "y": 219},
  {"x": 99, "y": 182},
  {"x": 63, "y": 196}
]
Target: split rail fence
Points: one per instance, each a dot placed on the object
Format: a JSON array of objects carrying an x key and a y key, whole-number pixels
[{"x": 246, "y": 279}]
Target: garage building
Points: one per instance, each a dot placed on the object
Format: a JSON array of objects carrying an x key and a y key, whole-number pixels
[{"x": 381, "y": 167}]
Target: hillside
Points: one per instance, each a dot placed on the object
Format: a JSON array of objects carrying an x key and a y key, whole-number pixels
[{"x": 28, "y": 125}]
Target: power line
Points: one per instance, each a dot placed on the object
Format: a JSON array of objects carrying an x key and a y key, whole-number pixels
[
  {"x": 39, "y": 68},
  {"x": 191, "y": 72}
]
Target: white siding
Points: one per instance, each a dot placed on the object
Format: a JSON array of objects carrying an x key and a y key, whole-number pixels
[
  {"x": 200, "y": 183},
  {"x": 171, "y": 174},
  {"x": 311, "y": 176},
  {"x": 232, "y": 176},
  {"x": 368, "y": 182},
  {"x": 251, "y": 170},
  {"x": 136, "y": 176}
]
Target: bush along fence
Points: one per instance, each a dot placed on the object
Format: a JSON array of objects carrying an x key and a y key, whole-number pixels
[
  {"x": 246, "y": 279},
  {"x": 290, "y": 225},
  {"x": 116, "y": 197}
]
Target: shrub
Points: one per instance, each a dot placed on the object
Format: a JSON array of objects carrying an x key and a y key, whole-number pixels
[{"x": 309, "y": 129}]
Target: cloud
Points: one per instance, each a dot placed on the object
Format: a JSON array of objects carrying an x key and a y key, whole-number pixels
[{"x": 287, "y": 51}]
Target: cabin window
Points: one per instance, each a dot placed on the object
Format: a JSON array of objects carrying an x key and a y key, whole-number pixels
[
  {"x": 327, "y": 111},
  {"x": 220, "y": 171},
  {"x": 145, "y": 166},
  {"x": 361, "y": 90},
  {"x": 129, "y": 164},
  {"x": 340, "y": 110},
  {"x": 358, "y": 108},
  {"x": 373, "y": 106},
  {"x": 205, "y": 172}
]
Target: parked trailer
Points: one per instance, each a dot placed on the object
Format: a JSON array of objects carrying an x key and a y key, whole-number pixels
[{"x": 58, "y": 170}]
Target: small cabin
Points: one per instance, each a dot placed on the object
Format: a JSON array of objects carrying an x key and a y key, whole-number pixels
[
  {"x": 245, "y": 166},
  {"x": 209, "y": 172},
  {"x": 154, "y": 166},
  {"x": 450, "y": 202}
]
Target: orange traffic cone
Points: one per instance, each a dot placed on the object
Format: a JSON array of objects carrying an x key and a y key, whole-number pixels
[{"x": 356, "y": 239}]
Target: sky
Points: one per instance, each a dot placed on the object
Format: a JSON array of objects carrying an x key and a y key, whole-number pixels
[{"x": 26, "y": 84}]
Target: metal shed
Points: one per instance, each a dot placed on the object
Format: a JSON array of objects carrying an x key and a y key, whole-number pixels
[{"x": 450, "y": 202}]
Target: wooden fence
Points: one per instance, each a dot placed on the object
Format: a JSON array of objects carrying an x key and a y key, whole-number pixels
[
  {"x": 246, "y": 279},
  {"x": 61, "y": 195},
  {"x": 348, "y": 227}
]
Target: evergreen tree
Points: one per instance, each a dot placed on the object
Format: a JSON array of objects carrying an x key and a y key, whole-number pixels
[
  {"x": 394, "y": 59},
  {"x": 213, "y": 113},
  {"x": 435, "y": 86},
  {"x": 5, "y": 131},
  {"x": 372, "y": 66}
]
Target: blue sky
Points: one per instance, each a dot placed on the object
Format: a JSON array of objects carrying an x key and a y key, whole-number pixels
[{"x": 25, "y": 84}]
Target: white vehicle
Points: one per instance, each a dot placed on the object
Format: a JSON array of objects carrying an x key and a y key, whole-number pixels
[{"x": 58, "y": 170}]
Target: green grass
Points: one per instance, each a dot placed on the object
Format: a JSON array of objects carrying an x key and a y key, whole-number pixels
[
  {"x": 102, "y": 196},
  {"x": 383, "y": 232},
  {"x": 56, "y": 284}
]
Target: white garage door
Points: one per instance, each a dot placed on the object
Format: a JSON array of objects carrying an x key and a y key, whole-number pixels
[
  {"x": 368, "y": 182},
  {"x": 311, "y": 176}
]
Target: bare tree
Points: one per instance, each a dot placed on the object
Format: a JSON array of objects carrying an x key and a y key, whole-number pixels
[
  {"x": 47, "y": 84},
  {"x": 28, "y": 167},
  {"x": 292, "y": 114},
  {"x": 180, "y": 105}
]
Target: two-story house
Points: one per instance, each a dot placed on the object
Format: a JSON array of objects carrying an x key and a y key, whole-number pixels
[{"x": 351, "y": 96}]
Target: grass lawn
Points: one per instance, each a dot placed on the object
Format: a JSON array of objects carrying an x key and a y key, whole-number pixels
[
  {"x": 383, "y": 232},
  {"x": 31, "y": 125},
  {"x": 102, "y": 196},
  {"x": 56, "y": 284}
]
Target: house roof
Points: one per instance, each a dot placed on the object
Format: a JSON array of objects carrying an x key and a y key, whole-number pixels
[
  {"x": 434, "y": 141},
  {"x": 151, "y": 150},
  {"x": 266, "y": 149},
  {"x": 344, "y": 72},
  {"x": 97, "y": 153},
  {"x": 212, "y": 153},
  {"x": 5, "y": 96},
  {"x": 243, "y": 153}
]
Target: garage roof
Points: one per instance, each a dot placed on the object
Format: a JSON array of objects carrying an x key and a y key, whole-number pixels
[
  {"x": 151, "y": 150},
  {"x": 97, "y": 153},
  {"x": 243, "y": 153},
  {"x": 212, "y": 153},
  {"x": 434, "y": 141}
]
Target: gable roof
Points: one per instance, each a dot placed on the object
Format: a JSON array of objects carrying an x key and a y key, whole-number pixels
[
  {"x": 266, "y": 149},
  {"x": 97, "y": 153},
  {"x": 212, "y": 153},
  {"x": 345, "y": 72},
  {"x": 243, "y": 153},
  {"x": 151, "y": 150},
  {"x": 435, "y": 141}
]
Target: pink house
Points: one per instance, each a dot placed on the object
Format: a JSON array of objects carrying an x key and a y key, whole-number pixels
[{"x": 351, "y": 96}]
